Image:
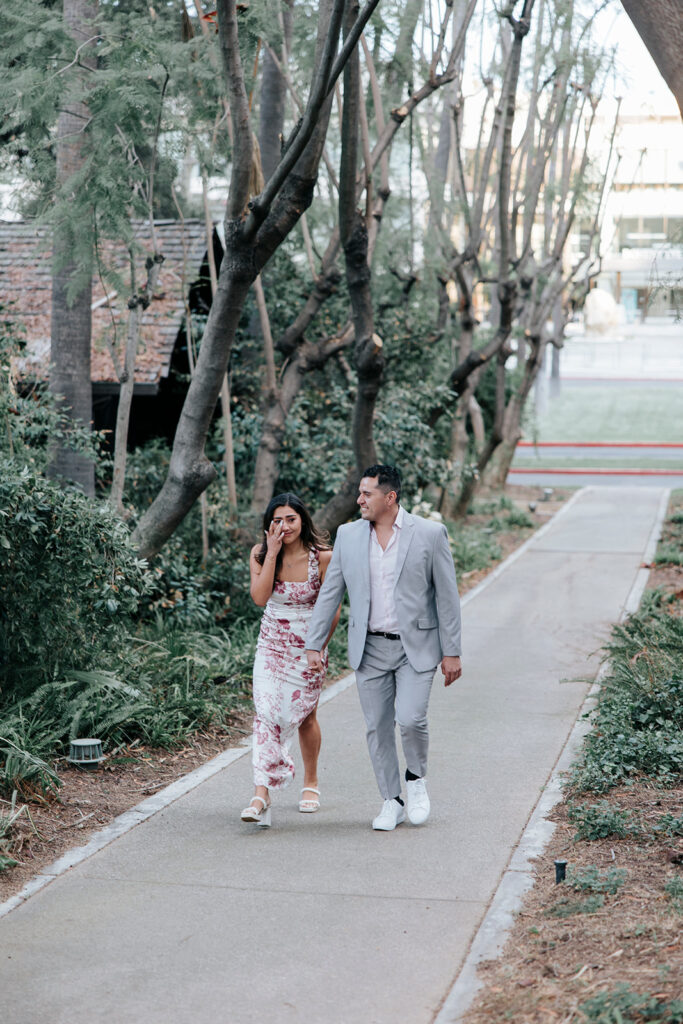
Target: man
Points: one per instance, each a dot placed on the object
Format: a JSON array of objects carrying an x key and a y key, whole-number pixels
[{"x": 404, "y": 619}]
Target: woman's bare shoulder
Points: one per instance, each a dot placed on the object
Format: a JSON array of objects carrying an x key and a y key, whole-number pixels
[{"x": 325, "y": 556}]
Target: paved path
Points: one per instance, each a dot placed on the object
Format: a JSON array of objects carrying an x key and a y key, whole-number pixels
[{"x": 195, "y": 918}]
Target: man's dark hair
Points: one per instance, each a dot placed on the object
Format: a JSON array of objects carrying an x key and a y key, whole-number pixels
[{"x": 388, "y": 478}]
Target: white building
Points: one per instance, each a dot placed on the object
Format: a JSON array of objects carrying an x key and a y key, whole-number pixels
[{"x": 642, "y": 234}]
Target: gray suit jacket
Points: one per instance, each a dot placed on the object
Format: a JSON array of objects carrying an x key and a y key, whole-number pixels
[{"x": 426, "y": 593}]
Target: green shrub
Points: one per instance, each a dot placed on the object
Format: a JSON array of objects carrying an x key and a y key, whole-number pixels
[
  {"x": 31, "y": 419},
  {"x": 69, "y": 579},
  {"x": 669, "y": 554},
  {"x": 638, "y": 722},
  {"x": 622, "y": 1005},
  {"x": 7, "y": 820},
  {"x": 567, "y": 908},
  {"x": 674, "y": 890},
  {"x": 592, "y": 879},
  {"x": 473, "y": 550},
  {"x": 670, "y": 825},
  {"x": 21, "y": 768},
  {"x": 597, "y": 821},
  {"x": 519, "y": 518},
  {"x": 164, "y": 688}
]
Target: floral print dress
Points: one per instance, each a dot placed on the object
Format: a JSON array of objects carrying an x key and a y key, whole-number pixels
[{"x": 285, "y": 689}]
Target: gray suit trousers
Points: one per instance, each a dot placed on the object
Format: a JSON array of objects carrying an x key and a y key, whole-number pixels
[{"x": 392, "y": 692}]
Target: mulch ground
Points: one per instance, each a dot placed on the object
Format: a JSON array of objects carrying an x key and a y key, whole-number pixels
[
  {"x": 551, "y": 965},
  {"x": 88, "y": 801}
]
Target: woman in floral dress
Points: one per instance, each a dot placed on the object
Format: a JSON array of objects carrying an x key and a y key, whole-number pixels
[{"x": 287, "y": 569}]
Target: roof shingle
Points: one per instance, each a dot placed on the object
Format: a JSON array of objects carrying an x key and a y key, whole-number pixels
[{"x": 26, "y": 288}]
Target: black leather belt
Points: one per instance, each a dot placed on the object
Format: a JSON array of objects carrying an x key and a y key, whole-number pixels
[{"x": 387, "y": 636}]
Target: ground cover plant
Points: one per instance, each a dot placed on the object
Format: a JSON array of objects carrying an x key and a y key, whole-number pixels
[{"x": 604, "y": 946}]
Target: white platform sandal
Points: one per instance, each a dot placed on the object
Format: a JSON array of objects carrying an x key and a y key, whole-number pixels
[
  {"x": 308, "y": 805},
  {"x": 260, "y": 817}
]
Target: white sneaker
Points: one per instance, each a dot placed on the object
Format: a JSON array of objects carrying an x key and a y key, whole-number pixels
[
  {"x": 418, "y": 801},
  {"x": 391, "y": 815}
]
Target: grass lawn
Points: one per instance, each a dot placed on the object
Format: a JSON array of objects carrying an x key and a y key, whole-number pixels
[{"x": 610, "y": 412}]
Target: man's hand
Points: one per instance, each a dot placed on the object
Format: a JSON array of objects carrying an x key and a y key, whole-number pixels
[
  {"x": 315, "y": 660},
  {"x": 451, "y": 668}
]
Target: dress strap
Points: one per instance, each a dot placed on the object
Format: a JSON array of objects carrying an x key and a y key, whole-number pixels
[{"x": 313, "y": 565}]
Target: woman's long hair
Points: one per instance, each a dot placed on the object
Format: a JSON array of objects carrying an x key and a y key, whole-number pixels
[{"x": 311, "y": 536}]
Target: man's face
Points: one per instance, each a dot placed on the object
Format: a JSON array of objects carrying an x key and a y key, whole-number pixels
[{"x": 372, "y": 500}]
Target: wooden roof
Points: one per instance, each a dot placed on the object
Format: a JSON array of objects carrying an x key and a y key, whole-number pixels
[{"x": 26, "y": 288}]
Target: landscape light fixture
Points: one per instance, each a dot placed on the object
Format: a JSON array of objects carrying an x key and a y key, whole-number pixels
[
  {"x": 547, "y": 493},
  {"x": 560, "y": 871},
  {"x": 86, "y": 754}
]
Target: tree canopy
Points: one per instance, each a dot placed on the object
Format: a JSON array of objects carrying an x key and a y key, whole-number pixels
[{"x": 402, "y": 185}]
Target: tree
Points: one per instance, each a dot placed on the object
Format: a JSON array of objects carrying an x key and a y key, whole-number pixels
[
  {"x": 517, "y": 206},
  {"x": 86, "y": 136},
  {"x": 381, "y": 357},
  {"x": 72, "y": 254},
  {"x": 660, "y": 26},
  {"x": 384, "y": 110},
  {"x": 254, "y": 228}
]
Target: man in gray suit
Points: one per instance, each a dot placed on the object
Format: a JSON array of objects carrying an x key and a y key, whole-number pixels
[{"x": 404, "y": 619}]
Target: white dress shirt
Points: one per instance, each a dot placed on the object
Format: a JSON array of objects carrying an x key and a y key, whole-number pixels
[{"x": 383, "y": 579}]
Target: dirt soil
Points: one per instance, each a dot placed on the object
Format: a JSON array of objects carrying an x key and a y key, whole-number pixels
[
  {"x": 552, "y": 964},
  {"x": 88, "y": 801}
]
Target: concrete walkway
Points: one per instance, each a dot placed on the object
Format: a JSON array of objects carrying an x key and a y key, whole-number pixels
[{"x": 196, "y": 918}]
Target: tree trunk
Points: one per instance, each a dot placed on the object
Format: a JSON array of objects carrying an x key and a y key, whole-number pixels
[
  {"x": 556, "y": 348},
  {"x": 272, "y": 103},
  {"x": 71, "y": 323},
  {"x": 326, "y": 282},
  {"x": 499, "y": 464},
  {"x": 660, "y": 26},
  {"x": 137, "y": 304},
  {"x": 267, "y": 468},
  {"x": 466, "y": 401},
  {"x": 367, "y": 345},
  {"x": 253, "y": 232},
  {"x": 472, "y": 479},
  {"x": 308, "y": 356},
  {"x": 506, "y": 290},
  {"x": 497, "y": 470},
  {"x": 226, "y": 410}
]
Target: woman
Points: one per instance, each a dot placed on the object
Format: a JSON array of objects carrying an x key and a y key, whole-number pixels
[{"x": 287, "y": 569}]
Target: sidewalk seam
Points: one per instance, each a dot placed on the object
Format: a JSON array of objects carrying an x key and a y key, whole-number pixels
[
  {"x": 186, "y": 783},
  {"x": 518, "y": 877}
]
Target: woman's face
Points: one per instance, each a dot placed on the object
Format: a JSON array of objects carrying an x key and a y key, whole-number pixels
[{"x": 290, "y": 521}]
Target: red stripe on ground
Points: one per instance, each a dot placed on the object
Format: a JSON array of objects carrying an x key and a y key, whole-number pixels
[
  {"x": 601, "y": 472},
  {"x": 598, "y": 444},
  {"x": 626, "y": 380}
]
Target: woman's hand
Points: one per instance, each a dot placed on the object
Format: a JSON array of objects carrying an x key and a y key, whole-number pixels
[
  {"x": 263, "y": 575},
  {"x": 274, "y": 538}
]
